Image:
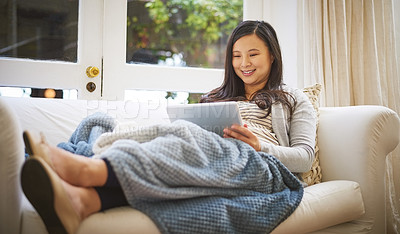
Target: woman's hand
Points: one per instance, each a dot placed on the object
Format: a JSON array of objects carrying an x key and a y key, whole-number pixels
[{"x": 244, "y": 134}]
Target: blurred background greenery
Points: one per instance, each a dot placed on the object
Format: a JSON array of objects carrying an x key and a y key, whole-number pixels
[{"x": 184, "y": 33}]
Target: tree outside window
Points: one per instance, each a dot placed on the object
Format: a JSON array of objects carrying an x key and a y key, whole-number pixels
[
  {"x": 181, "y": 32},
  {"x": 186, "y": 33}
]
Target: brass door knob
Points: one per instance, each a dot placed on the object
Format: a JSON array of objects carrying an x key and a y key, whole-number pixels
[{"x": 92, "y": 71}]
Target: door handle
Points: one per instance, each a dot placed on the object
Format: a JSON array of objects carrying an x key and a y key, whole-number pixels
[{"x": 92, "y": 71}]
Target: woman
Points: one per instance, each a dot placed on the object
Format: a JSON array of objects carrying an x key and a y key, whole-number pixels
[
  {"x": 253, "y": 76},
  {"x": 66, "y": 188}
]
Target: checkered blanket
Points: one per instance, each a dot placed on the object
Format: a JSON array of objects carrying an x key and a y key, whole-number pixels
[
  {"x": 189, "y": 180},
  {"x": 85, "y": 135}
]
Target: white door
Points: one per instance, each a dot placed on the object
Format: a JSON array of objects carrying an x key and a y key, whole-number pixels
[{"x": 50, "y": 44}]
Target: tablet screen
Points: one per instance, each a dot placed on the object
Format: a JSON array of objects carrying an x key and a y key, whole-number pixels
[{"x": 211, "y": 116}]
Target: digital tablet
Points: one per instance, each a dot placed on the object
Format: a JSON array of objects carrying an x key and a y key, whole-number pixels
[{"x": 211, "y": 116}]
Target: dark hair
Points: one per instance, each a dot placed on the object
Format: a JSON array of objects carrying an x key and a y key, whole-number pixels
[{"x": 232, "y": 88}]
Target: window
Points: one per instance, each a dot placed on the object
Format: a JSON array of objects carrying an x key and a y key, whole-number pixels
[
  {"x": 32, "y": 30},
  {"x": 41, "y": 47},
  {"x": 181, "y": 32},
  {"x": 158, "y": 45}
]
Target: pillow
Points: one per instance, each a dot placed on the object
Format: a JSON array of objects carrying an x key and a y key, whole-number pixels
[{"x": 314, "y": 176}]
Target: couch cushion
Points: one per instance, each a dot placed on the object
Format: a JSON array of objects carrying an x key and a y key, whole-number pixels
[
  {"x": 323, "y": 205},
  {"x": 30, "y": 220},
  {"x": 118, "y": 220}
]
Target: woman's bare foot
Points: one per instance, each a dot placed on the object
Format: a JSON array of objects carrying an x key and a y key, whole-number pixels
[
  {"x": 76, "y": 169},
  {"x": 85, "y": 201}
]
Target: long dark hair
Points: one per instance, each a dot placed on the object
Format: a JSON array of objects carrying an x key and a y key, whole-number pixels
[{"x": 232, "y": 88}]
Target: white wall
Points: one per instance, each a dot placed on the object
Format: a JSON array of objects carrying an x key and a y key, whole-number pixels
[{"x": 282, "y": 15}]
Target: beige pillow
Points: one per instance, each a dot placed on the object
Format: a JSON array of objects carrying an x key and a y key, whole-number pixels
[{"x": 314, "y": 176}]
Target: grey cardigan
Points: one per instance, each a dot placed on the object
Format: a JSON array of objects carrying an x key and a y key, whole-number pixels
[{"x": 296, "y": 136}]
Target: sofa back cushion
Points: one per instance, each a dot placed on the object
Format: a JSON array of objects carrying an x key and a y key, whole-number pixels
[{"x": 314, "y": 176}]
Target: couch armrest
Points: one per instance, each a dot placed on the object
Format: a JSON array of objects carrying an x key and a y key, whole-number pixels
[
  {"x": 11, "y": 159},
  {"x": 354, "y": 142}
]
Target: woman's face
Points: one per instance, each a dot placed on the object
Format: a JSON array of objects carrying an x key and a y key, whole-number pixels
[{"x": 251, "y": 61}]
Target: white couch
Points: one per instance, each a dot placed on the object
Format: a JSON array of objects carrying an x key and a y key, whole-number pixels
[{"x": 353, "y": 142}]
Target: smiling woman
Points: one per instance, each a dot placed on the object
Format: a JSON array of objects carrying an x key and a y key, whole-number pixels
[
  {"x": 253, "y": 75},
  {"x": 252, "y": 63}
]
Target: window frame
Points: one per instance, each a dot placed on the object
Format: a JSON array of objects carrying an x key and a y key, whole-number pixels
[
  {"x": 120, "y": 76},
  {"x": 19, "y": 72}
]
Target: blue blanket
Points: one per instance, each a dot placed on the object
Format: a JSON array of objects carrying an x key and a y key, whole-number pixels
[
  {"x": 85, "y": 135},
  {"x": 189, "y": 180}
]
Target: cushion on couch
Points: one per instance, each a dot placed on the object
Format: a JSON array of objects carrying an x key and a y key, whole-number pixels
[
  {"x": 314, "y": 176},
  {"x": 324, "y": 205}
]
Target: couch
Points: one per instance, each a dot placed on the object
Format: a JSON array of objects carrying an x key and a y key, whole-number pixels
[{"x": 353, "y": 144}]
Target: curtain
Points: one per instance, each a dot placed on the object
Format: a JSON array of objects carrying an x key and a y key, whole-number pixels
[{"x": 352, "y": 48}]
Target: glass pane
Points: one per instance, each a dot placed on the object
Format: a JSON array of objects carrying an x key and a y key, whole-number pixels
[
  {"x": 39, "y": 29},
  {"x": 181, "y": 32}
]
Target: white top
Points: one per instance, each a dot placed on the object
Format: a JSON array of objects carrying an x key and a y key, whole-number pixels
[
  {"x": 258, "y": 122},
  {"x": 295, "y": 133}
]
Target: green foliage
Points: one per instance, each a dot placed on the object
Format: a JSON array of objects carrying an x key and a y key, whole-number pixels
[
  {"x": 194, "y": 98},
  {"x": 198, "y": 29},
  {"x": 193, "y": 27},
  {"x": 170, "y": 95}
]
